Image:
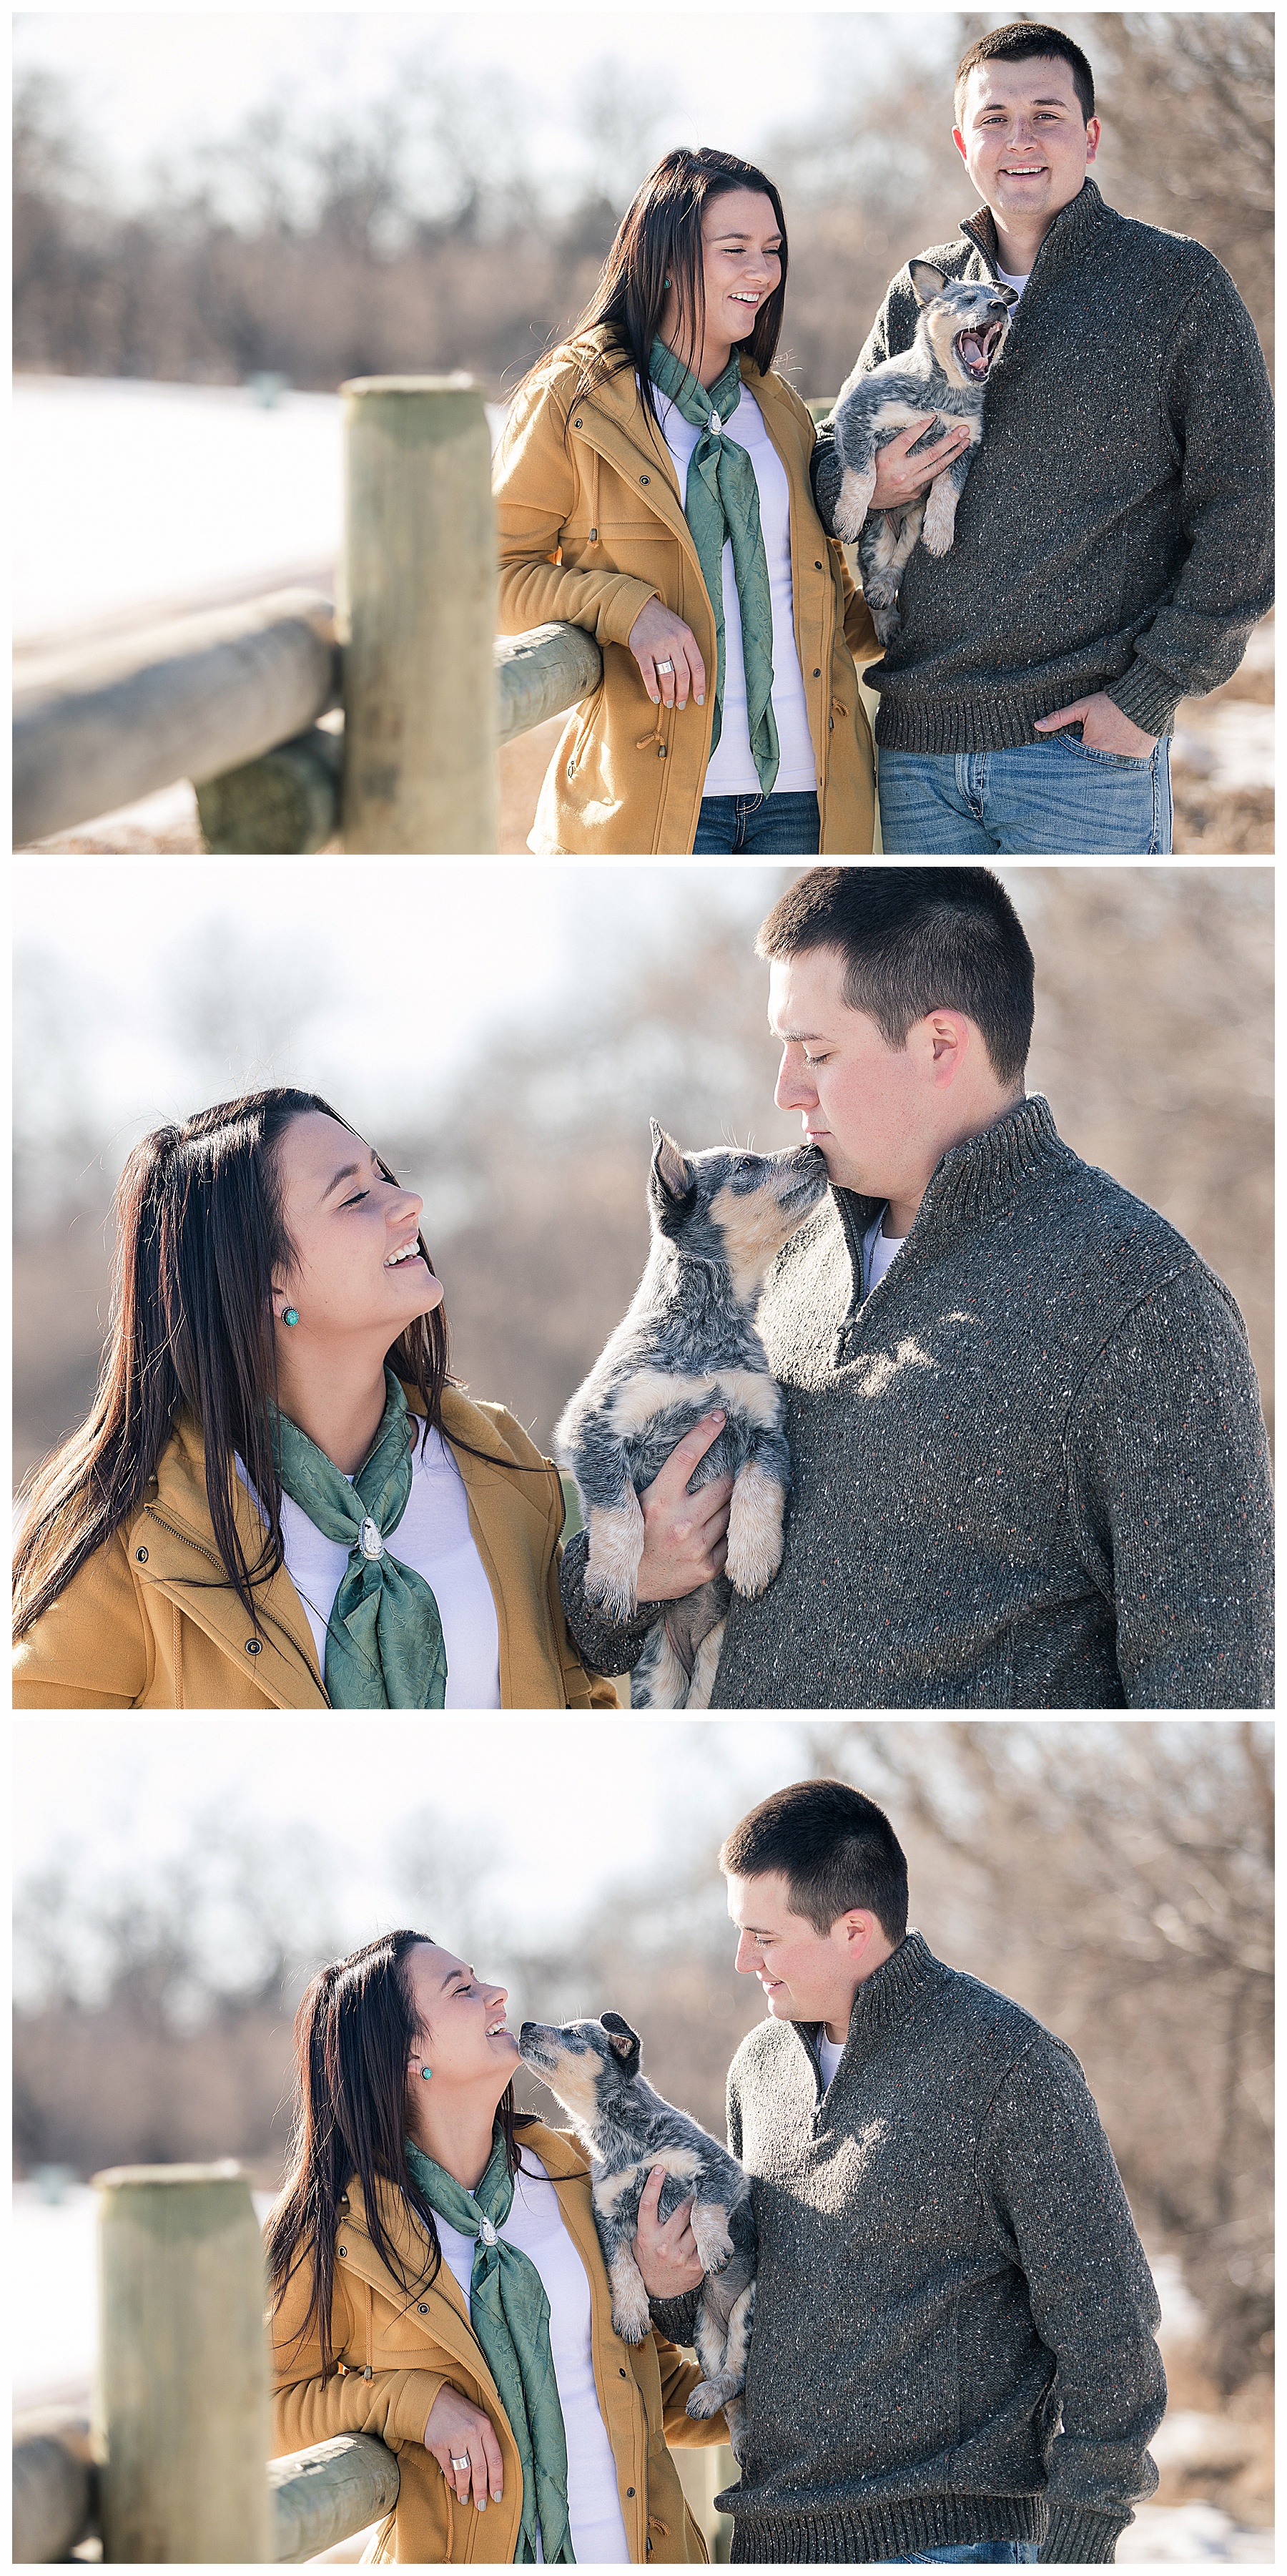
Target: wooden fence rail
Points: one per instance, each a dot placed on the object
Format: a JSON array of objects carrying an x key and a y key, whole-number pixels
[
  {"x": 233, "y": 700},
  {"x": 172, "y": 2464}
]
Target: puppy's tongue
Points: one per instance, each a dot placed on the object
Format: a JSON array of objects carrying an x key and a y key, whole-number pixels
[{"x": 974, "y": 349}]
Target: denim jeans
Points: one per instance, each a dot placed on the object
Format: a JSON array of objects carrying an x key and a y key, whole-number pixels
[
  {"x": 1049, "y": 798},
  {"x": 775, "y": 827},
  {"x": 972, "y": 2553}
]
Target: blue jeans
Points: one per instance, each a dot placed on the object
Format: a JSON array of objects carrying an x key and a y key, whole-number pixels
[
  {"x": 972, "y": 2553},
  {"x": 1049, "y": 798},
  {"x": 775, "y": 827}
]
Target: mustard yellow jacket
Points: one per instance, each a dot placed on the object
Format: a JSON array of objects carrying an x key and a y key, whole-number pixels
[
  {"x": 150, "y": 1621},
  {"x": 412, "y": 2342},
  {"x": 590, "y": 526}
]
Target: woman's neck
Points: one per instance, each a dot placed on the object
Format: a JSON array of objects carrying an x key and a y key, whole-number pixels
[
  {"x": 711, "y": 360},
  {"x": 338, "y": 1402},
  {"x": 456, "y": 2130}
]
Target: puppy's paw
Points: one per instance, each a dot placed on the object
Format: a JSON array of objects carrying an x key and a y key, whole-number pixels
[
  {"x": 938, "y": 526},
  {"x": 853, "y": 502},
  {"x": 754, "y": 1530},
  {"x": 708, "y": 2397},
  {"x": 616, "y": 1546},
  {"x": 711, "y": 2236},
  {"x": 630, "y": 2312},
  {"x": 888, "y": 623},
  {"x": 735, "y": 2412}
]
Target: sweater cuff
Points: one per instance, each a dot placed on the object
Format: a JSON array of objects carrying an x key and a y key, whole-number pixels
[
  {"x": 1078, "y": 2537},
  {"x": 1144, "y": 696},
  {"x": 676, "y": 2318},
  {"x": 604, "y": 1645}
]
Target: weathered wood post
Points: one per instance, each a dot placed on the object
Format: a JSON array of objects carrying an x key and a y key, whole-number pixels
[
  {"x": 417, "y": 614},
  {"x": 181, "y": 2404}
]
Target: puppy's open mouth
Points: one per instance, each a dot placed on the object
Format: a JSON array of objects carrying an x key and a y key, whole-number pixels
[{"x": 976, "y": 350}]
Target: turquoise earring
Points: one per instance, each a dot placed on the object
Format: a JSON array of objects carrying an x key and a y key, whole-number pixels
[
  {"x": 290, "y": 1316},
  {"x": 425, "y": 2073}
]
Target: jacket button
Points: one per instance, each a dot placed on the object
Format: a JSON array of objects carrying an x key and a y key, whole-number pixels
[
  {"x": 576, "y": 424},
  {"x": 817, "y": 567},
  {"x": 341, "y": 2249},
  {"x": 817, "y": 675},
  {"x": 624, "y": 2374},
  {"x": 630, "y": 2491},
  {"x": 644, "y": 478},
  {"x": 141, "y": 1555},
  {"x": 423, "y": 2308},
  {"x": 571, "y": 769},
  {"x": 253, "y": 1646}
]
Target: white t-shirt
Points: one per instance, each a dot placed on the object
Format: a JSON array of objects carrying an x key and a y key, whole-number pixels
[
  {"x": 536, "y": 2227},
  {"x": 830, "y": 2052},
  {"x": 732, "y": 771},
  {"x": 878, "y": 1250},
  {"x": 1018, "y": 283},
  {"x": 434, "y": 1538}
]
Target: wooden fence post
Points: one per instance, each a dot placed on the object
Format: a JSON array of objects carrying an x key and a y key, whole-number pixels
[
  {"x": 181, "y": 2404},
  {"x": 417, "y": 614}
]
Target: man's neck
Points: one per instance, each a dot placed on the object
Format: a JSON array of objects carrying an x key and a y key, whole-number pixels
[
  {"x": 903, "y": 1205},
  {"x": 1018, "y": 243}
]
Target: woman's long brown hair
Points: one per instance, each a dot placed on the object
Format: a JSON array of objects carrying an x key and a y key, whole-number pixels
[
  {"x": 660, "y": 240},
  {"x": 200, "y": 1236},
  {"x": 354, "y": 2033}
]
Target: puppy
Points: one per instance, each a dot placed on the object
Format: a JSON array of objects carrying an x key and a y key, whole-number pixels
[
  {"x": 960, "y": 333},
  {"x": 689, "y": 1343},
  {"x": 592, "y": 2068}
]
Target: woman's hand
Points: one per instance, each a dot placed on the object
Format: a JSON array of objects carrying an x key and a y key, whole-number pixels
[
  {"x": 658, "y": 636},
  {"x": 667, "y": 2256},
  {"x": 685, "y": 1535},
  {"x": 901, "y": 478},
  {"x": 457, "y": 2431}
]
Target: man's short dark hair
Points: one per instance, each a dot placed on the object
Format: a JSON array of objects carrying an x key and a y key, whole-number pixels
[
  {"x": 834, "y": 1847},
  {"x": 916, "y": 940},
  {"x": 1021, "y": 42}
]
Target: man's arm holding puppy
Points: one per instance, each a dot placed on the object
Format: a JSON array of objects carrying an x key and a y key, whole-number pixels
[
  {"x": 670, "y": 2266},
  {"x": 685, "y": 1543}
]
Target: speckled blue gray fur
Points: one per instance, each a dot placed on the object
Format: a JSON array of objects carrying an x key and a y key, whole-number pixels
[
  {"x": 1117, "y": 527},
  {"x": 1028, "y": 1471},
  {"x": 946, "y": 2261}
]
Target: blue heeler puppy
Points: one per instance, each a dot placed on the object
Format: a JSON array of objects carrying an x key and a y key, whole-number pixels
[
  {"x": 592, "y": 2068},
  {"x": 959, "y": 337},
  {"x": 688, "y": 1345}
]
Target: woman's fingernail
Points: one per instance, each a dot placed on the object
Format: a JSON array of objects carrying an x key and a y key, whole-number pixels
[
  {"x": 701, "y": 697},
  {"x": 496, "y": 2495},
  {"x": 482, "y": 2504}
]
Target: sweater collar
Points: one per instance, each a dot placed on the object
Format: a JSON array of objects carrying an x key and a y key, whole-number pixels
[
  {"x": 973, "y": 1179},
  {"x": 1067, "y": 239},
  {"x": 886, "y": 1996}
]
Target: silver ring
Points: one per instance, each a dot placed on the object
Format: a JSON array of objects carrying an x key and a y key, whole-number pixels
[
  {"x": 458, "y": 2465},
  {"x": 663, "y": 666}
]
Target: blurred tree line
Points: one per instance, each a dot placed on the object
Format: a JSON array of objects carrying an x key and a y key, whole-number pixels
[
  {"x": 1115, "y": 1878},
  {"x": 1153, "y": 1043},
  {"x": 410, "y": 234}
]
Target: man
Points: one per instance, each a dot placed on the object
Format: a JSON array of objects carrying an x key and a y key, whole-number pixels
[
  {"x": 1029, "y": 1468},
  {"x": 1113, "y": 543},
  {"x": 953, "y": 2352}
]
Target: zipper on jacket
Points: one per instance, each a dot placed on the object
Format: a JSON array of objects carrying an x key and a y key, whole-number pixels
[{"x": 151, "y": 1513}]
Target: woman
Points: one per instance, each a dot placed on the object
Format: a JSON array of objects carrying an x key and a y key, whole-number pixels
[
  {"x": 436, "y": 2279},
  {"x": 279, "y": 1500},
  {"x": 652, "y": 485}
]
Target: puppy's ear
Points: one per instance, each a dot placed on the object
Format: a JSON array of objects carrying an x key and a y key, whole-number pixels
[
  {"x": 1008, "y": 294},
  {"x": 624, "y": 2041},
  {"x": 927, "y": 280},
  {"x": 672, "y": 1182}
]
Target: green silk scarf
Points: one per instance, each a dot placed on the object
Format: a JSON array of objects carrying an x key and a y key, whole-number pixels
[
  {"x": 722, "y": 503},
  {"x": 510, "y": 2315},
  {"x": 384, "y": 1644}
]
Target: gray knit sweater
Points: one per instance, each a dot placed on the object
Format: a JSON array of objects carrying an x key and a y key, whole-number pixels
[
  {"x": 1116, "y": 528},
  {"x": 1029, "y": 1470},
  {"x": 954, "y": 2319}
]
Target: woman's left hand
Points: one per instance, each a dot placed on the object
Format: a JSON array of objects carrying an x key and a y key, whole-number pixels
[{"x": 458, "y": 2431}]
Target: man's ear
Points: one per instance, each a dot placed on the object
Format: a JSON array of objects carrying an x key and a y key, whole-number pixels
[
  {"x": 670, "y": 1173},
  {"x": 624, "y": 2041}
]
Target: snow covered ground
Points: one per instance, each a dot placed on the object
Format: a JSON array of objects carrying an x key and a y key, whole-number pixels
[{"x": 135, "y": 495}]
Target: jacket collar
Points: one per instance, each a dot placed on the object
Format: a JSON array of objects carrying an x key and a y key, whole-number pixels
[
  {"x": 1070, "y": 234},
  {"x": 972, "y": 1181},
  {"x": 613, "y": 418}
]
